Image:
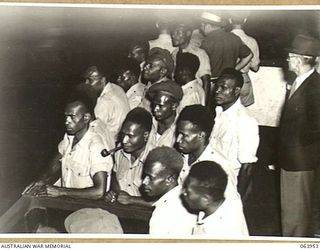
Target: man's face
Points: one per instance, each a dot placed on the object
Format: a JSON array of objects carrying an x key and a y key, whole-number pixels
[
  {"x": 188, "y": 137},
  {"x": 125, "y": 79},
  {"x": 181, "y": 76},
  {"x": 162, "y": 107},
  {"x": 180, "y": 36},
  {"x": 292, "y": 61},
  {"x": 153, "y": 69},
  {"x": 154, "y": 180},
  {"x": 95, "y": 80},
  {"x": 226, "y": 92},
  {"x": 133, "y": 137},
  {"x": 204, "y": 28},
  {"x": 191, "y": 194},
  {"x": 137, "y": 53},
  {"x": 75, "y": 121}
]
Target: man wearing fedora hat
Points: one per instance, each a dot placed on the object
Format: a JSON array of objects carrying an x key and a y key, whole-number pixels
[{"x": 299, "y": 139}]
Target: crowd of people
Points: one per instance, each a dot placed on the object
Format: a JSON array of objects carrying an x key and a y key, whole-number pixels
[{"x": 172, "y": 132}]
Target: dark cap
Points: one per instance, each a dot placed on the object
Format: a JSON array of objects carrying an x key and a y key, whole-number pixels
[
  {"x": 165, "y": 56},
  {"x": 305, "y": 45},
  {"x": 167, "y": 87}
]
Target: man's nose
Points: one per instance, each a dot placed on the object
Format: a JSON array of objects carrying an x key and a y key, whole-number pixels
[
  {"x": 145, "y": 181},
  {"x": 179, "y": 137},
  {"x": 125, "y": 139}
]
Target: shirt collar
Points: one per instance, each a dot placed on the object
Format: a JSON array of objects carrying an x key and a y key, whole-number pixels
[
  {"x": 189, "y": 84},
  {"x": 231, "y": 110},
  {"x": 171, "y": 193},
  {"x": 165, "y": 36},
  {"x": 83, "y": 141},
  {"x": 106, "y": 89},
  {"x": 238, "y": 31}
]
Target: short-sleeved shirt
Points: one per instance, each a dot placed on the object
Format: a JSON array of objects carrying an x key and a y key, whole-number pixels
[
  {"x": 209, "y": 154},
  {"x": 253, "y": 46},
  {"x": 135, "y": 94},
  {"x": 223, "y": 49},
  {"x": 227, "y": 221},
  {"x": 168, "y": 137},
  {"x": 170, "y": 217},
  {"x": 164, "y": 41},
  {"x": 204, "y": 68},
  {"x": 235, "y": 135},
  {"x": 112, "y": 107},
  {"x": 129, "y": 175},
  {"x": 80, "y": 163},
  {"x": 193, "y": 93}
]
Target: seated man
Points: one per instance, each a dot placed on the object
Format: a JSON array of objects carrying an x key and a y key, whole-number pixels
[
  {"x": 161, "y": 171},
  {"x": 185, "y": 71},
  {"x": 83, "y": 170},
  {"x": 164, "y": 98},
  {"x": 203, "y": 191},
  {"x": 138, "y": 51},
  {"x": 128, "y": 79},
  {"x": 194, "y": 127},
  {"x": 127, "y": 171},
  {"x": 112, "y": 103},
  {"x": 158, "y": 68}
]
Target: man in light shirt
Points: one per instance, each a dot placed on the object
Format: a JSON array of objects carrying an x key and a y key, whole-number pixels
[
  {"x": 164, "y": 39},
  {"x": 127, "y": 171},
  {"x": 164, "y": 98},
  {"x": 236, "y": 133},
  {"x": 185, "y": 72},
  {"x": 158, "y": 68},
  {"x": 194, "y": 127},
  {"x": 219, "y": 216},
  {"x": 161, "y": 171},
  {"x": 238, "y": 21},
  {"x": 112, "y": 103},
  {"x": 128, "y": 79},
  {"x": 83, "y": 170},
  {"x": 181, "y": 39}
]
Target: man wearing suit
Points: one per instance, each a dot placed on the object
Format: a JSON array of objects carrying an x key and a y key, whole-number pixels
[{"x": 300, "y": 139}]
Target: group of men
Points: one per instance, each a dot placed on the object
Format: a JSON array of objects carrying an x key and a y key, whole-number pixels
[{"x": 150, "y": 139}]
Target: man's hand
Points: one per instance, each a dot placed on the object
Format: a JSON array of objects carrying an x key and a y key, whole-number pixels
[
  {"x": 53, "y": 191},
  {"x": 111, "y": 196},
  {"x": 124, "y": 198}
]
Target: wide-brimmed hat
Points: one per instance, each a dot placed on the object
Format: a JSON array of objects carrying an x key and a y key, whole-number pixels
[
  {"x": 305, "y": 45},
  {"x": 93, "y": 220},
  {"x": 212, "y": 18}
]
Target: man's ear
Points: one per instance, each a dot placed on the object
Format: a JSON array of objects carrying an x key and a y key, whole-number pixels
[
  {"x": 170, "y": 179},
  {"x": 146, "y": 136},
  {"x": 237, "y": 90},
  {"x": 202, "y": 135},
  {"x": 87, "y": 117},
  {"x": 163, "y": 71},
  {"x": 174, "y": 105},
  {"x": 103, "y": 80}
]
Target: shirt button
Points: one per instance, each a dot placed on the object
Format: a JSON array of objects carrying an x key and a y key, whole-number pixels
[
  {"x": 130, "y": 168},
  {"x": 67, "y": 168},
  {"x": 78, "y": 174},
  {"x": 129, "y": 185}
]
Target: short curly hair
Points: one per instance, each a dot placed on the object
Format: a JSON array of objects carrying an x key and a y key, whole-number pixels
[
  {"x": 170, "y": 159},
  {"x": 212, "y": 179}
]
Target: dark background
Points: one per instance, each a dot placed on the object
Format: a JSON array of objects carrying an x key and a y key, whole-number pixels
[{"x": 45, "y": 50}]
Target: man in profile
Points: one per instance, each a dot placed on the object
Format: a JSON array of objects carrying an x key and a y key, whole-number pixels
[
  {"x": 160, "y": 182},
  {"x": 81, "y": 169}
]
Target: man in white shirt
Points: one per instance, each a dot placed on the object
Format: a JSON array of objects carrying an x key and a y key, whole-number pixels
[
  {"x": 112, "y": 103},
  {"x": 161, "y": 171},
  {"x": 246, "y": 95},
  {"x": 219, "y": 216},
  {"x": 126, "y": 176},
  {"x": 194, "y": 127},
  {"x": 236, "y": 133},
  {"x": 158, "y": 68},
  {"x": 164, "y": 98},
  {"x": 181, "y": 36},
  {"x": 128, "y": 79},
  {"x": 164, "y": 39},
  {"x": 83, "y": 170},
  {"x": 185, "y": 72}
]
